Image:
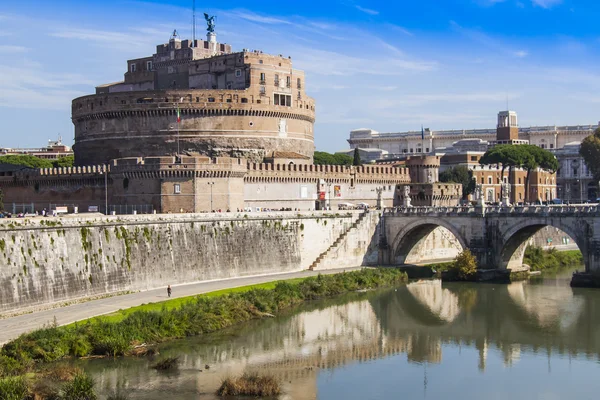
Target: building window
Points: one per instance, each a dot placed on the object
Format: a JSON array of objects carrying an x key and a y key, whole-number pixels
[
  {"x": 519, "y": 181},
  {"x": 426, "y": 149},
  {"x": 177, "y": 188},
  {"x": 276, "y": 82},
  {"x": 473, "y": 158},
  {"x": 411, "y": 150},
  {"x": 148, "y": 65},
  {"x": 238, "y": 73},
  {"x": 288, "y": 82},
  {"x": 211, "y": 99},
  {"x": 244, "y": 100},
  {"x": 132, "y": 67},
  {"x": 299, "y": 83},
  {"x": 262, "y": 78},
  {"x": 260, "y": 61},
  {"x": 551, "y": 145},
  {"x": 489, "y": 180}
]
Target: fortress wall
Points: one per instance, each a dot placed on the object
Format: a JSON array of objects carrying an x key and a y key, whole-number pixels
[{"x": 44, "y": 261}]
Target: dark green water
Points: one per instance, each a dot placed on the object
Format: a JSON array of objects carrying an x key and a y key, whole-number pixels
[{"x": 427, "y": 340}]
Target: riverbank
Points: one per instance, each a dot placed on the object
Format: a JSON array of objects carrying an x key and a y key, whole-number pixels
[
  {"x": 202, "y": 314},
  {"x": 551, "y": 259}
]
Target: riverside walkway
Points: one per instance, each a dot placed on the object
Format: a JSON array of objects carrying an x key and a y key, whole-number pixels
[{"x": 12, "y": 327}]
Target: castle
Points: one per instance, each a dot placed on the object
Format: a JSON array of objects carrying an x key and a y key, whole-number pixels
[{"x": 198, "y": 97}]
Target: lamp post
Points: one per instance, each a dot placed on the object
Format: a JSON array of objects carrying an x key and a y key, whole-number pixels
[
  {"x": 105, "y": 173},
  {"x": 211, "y": 195}
]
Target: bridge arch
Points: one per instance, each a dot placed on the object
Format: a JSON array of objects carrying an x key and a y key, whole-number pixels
[
  {"x": 414, "y": 233},
  {"x": 515, "y": 239}
]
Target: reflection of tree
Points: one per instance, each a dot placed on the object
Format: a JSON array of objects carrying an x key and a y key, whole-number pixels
[{"x": 467, "y": 297}]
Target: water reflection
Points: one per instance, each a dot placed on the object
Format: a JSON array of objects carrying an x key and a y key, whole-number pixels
[{"x": 419, "y": 322}]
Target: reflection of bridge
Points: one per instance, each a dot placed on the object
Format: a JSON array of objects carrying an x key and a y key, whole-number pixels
[{"x": 497, "y": 236}]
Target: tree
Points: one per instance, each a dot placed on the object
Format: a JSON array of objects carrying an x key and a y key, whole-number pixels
[
  {"x": 536, "y": 157},
  {"x": 465, "y": 265},
  {"x": 67, "y": 161},
  {"x": 356, "y": 160},
  {"x": 324, "y": 158},
  {"x": 26, "y": 161},
  {"x": 460, "y": 174},
  {"x": 590, "y": 151},
  {"x": 524, "y": 156}
]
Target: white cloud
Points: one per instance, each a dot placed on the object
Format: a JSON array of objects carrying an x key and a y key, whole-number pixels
[
  {"x": 521, "y": 54},
  {"x": 12, "y": 49},
  {"x": 250, "y": 16},
  {"x": 546, "y": 3},
  {"x": 366, "y": 10}
]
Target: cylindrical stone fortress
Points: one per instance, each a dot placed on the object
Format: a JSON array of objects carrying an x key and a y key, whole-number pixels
[{"x": 246, "y": 104}]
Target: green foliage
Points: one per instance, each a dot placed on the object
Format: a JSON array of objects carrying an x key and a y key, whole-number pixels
[
  {"x": 198, "y": 315},
  {"x": 356, "y": 159},
  {"x": 460, "y": 174},
  {"x": 13, "y": 388},
  {"x": 67, "y": 161},
  {"x": 36, "y": 162},
  {"x": 539, "y": 259},
  {"x": 590, "y": 151},
  {"x": 80, "y": 388},
  {"x": 526, "y": 156},
  {"x": 324, "y": 158},
  {"x": 465, "y": 265}
]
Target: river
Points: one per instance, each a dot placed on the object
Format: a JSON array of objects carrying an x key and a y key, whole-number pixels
[{"x": 426, "y": 340}]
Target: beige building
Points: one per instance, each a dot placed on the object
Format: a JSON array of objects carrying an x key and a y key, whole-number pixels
[
  {"x": 53, "y": 151},
  {"x": 238, "y": 104}
]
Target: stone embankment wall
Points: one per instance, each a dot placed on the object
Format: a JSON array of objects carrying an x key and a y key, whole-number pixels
[{"x": 44, "y": 261}]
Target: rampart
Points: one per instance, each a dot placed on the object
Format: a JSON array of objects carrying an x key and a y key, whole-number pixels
[{"x": 55, "y": 260}]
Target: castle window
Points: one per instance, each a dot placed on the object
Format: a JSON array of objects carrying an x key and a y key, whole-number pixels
[
  {"x": 288, "y": 81},
  {"x": 177, "y": 188},
  {"x": 211, "y": 99},
  {"x": 238, "y": 73},
  {"x": 489, "y": 180},
  {"x": 132, "y": 67},
  {"x": 262, "y": 78},
  {"x": 260, "y": 61},
  {"x": 197, "y": 99},
  {"x": 244, "y": 100},
  {"x": 299, "y": 83},
  {"x": 276, "y": 81},
  {"x": 148, "y": 65},
  {"x": 228, "y": 100}
]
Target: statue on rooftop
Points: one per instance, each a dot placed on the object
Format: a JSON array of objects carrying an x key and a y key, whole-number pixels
[{"x": 210, "y": 22}]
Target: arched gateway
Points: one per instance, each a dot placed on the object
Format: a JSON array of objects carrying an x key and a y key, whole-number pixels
[{"x": 497, "y": 236}]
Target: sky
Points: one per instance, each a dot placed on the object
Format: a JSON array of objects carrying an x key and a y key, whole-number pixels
[{"x": 388, "y": 66}]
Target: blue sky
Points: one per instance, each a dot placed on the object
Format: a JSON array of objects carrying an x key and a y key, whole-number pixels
[{"x": 389, "y": 66}]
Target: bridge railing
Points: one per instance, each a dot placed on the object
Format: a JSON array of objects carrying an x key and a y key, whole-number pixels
[{"x": 468, "y": 210}]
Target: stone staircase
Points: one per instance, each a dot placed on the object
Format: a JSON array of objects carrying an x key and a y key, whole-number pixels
[{"x": 338, "y": 240}]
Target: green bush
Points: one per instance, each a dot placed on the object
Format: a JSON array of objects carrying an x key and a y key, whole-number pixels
[
  {"x": 80, "y": 388},
  {"x": 539, "y": 259},
  {"x": 465, "y": 265},
  {"x": 14, "y": 388}
]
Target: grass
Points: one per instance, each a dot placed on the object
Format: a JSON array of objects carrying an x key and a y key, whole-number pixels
[
  {"x": 250, "y": 385},
  {"x": 176, "y": 303},
  {"x": 195, "y": 316}
]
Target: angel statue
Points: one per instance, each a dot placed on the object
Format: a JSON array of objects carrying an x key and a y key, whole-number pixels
[{"x": 210, "y": 22}]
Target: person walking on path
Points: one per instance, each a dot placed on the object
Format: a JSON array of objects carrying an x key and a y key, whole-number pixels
[{"x": 169, "y": 290}]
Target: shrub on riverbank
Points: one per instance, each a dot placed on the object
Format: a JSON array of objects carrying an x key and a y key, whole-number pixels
[
  {"x": 539, "y": 259},
  {"x": 250, "y": 385},
  {"x": 201, "y": 315},
  {"x": 463, "y": 268}
]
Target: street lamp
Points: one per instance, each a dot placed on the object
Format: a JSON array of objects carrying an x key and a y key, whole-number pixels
[
  {"x": 211, "y": 195},
  {"x": 105, "y": 173}
]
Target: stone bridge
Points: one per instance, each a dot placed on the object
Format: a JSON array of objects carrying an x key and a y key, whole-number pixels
[{"x": 497, "y": 236}]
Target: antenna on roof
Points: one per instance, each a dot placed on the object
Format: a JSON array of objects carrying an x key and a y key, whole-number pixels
[{"x": 194, "y": 22}]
